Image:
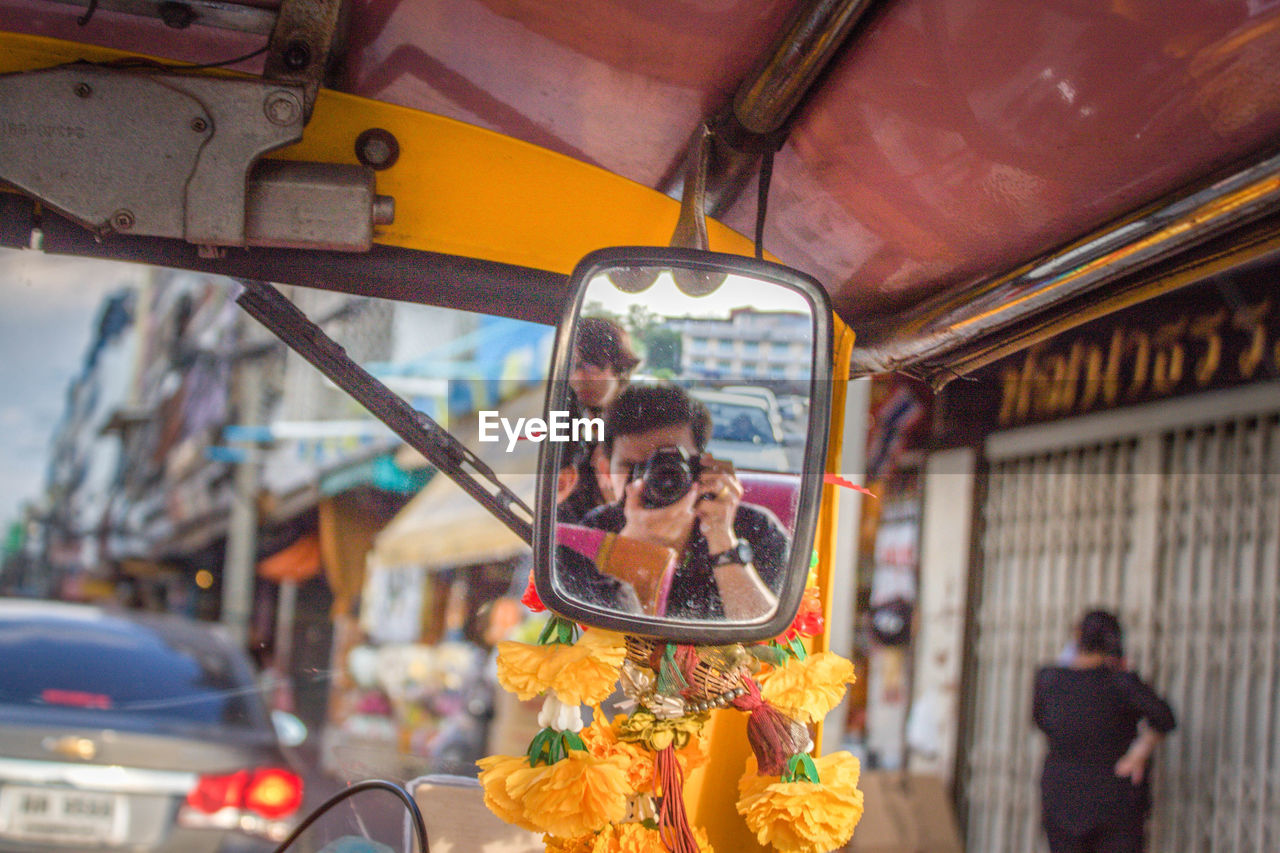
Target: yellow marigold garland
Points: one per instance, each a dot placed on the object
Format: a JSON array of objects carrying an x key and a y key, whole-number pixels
[
  {"x": 630, "y": 837},
  {"x": 574, "y": 796},
  {"x": 495, "y": 770},
  {"x": 577, "y": 789},
  {"x": 811, "y": 810},
  {"x": 807, "y": 688},
  {"x": 579, "y": 673}
]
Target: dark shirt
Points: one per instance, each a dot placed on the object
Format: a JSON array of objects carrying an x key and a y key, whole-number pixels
[
  {"x": 586, "y": 494},
  {"x": 1091, "y": 717},
  {"x": 694, "y": 594}
]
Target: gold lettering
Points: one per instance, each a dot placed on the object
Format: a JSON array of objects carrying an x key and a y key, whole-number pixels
[
  {"x": 1049, "y": 384},
  {"x": 1111, "y": 378},
  {"x": 1066, "y": 397},
  {"x": 1140, "y": 342},
  {"x": 1166, "y": 371},
  {"x": 1205, "y": 328},
  {"x": 1249, "y": 320},
  {"x": 1026, "y": 385},
  {"x": 1009, "y": 385},
  {"x": 1092, "y": 378}
]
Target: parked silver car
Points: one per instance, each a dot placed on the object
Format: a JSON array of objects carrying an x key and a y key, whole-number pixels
[{"x": 123, "y": 730}]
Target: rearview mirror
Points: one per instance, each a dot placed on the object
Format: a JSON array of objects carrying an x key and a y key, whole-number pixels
[{"x": 681, "y": 496}]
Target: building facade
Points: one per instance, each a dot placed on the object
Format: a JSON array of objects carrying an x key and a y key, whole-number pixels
[{"x": 1132, "y": 464}]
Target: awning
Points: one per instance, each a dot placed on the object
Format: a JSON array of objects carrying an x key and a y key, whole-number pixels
[
  {"x": 297, "y": 562},
  {"x": 444, "y": 527}
]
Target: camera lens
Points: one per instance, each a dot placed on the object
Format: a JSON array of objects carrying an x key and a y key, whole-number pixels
[{"x": 668, "y": 476}]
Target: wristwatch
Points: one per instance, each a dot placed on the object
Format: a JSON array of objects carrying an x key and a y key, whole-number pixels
[{"x": 738, "y": 554}]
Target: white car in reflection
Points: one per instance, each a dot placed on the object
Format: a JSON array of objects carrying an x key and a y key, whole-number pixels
[{"x": 743, "y": 432}]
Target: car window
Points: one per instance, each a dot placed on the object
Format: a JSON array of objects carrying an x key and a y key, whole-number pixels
[
  {"x": 740, "y": 423},
  {"x": 123, "y": 668}
]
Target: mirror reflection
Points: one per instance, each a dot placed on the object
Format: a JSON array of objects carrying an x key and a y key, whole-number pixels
[{"x": 681, "y": 505}]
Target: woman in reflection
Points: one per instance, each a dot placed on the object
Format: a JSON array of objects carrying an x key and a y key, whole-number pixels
[
  {"x": 602, "y": 363},
  {"x": 727, "y": 557}
]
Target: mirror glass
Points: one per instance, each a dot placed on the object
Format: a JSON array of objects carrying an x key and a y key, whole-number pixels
[{"x": 678, "y": 494}]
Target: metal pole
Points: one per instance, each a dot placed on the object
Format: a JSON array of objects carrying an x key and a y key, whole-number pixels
[
  {"x": 844, "y": 578},
  {"x": 242, "y": 534},
  {"x": 286, "y": 608}
]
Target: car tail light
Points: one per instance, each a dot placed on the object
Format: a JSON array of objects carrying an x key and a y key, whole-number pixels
[
  {"x": 273, "y": 793},
  {"x": 251, "y": 800},
  {"x": 214, "y": 793}
]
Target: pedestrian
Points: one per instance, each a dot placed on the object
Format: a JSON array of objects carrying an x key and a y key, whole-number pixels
[{"x": 1103, "y": 723}]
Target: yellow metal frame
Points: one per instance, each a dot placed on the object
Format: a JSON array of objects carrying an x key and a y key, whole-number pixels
[
  {"x": 464, "y": 190},
  {"x": 460, "y": 189}
]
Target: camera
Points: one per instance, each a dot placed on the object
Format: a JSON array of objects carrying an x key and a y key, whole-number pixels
[{"x": 668, "y": 475}]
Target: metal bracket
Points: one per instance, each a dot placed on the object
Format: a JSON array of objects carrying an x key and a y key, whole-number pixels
[
  {"x": 167, "y": 154},
  {"x": 302, "y": 43},
  {"x": 691, "y": 227}
]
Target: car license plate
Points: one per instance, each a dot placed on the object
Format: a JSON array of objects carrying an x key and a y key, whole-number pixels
[{"x": 62, "y": 815}]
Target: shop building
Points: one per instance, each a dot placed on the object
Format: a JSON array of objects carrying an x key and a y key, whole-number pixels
[{"x": 1132, "y": 463}]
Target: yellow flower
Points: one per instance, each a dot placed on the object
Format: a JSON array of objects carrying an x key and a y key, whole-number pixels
[
  {"x": 520, "y": 666},
  {"x": 495, "y": 771},
  {"x": 575, "y": 796},
  {"x": 586, "y": 672},
  {"x": 637, "y": 838},
  {"x": 807, "y": 689},
  {"x": 582, "y": 673},
  {"x": 602, "y": 741},
  {"x": 641, "y": 735},
  {"x": 803, "y": 817},
  {"x": 581, "y": 844}
]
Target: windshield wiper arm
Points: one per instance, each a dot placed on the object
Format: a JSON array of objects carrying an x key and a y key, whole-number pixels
[{"x": 282, "y": 318}]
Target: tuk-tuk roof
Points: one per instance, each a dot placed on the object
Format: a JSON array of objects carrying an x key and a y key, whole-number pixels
[{"x": 949, "y": 142}]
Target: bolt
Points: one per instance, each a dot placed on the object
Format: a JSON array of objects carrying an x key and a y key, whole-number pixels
[
  {"x": 282, "y": 108},
  {"x": 297, "y": 55},
  {"x": 384, "y": 210},
  {"x": 83, "y": 90},
  {"x": 199, "y": 125},
  {"x": 377, "y": 149},
  {"x": 177, "y": 16},
  {"x": 122, "y": 220}
]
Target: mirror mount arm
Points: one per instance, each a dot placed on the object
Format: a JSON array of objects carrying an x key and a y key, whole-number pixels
[
  {"x": 691, "y": 227},
  {"x": 282, "y": 318}
]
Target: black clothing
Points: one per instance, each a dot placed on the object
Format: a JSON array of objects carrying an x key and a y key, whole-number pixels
[
  {"x": 1091, "y": 717},
  {"x": 694, "y": 594},
  {"x": 586, "y": 494},
  {"x": 1125, "y": 836}
]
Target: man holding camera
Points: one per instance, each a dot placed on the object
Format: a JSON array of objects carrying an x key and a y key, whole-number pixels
[{"x": 730, "y": 555}]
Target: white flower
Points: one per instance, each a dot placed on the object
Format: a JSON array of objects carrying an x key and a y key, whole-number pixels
[{"x": 559, "y": 716}]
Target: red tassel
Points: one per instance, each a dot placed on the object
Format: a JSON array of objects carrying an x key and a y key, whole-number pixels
[
  {"x": 687, "y": 659},
  {"x": 774, "y": 737},
  {"x": 673, "y": 823}
]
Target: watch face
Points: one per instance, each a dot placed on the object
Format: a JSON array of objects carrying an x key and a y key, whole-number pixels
[{"x": 740, "y": 553}]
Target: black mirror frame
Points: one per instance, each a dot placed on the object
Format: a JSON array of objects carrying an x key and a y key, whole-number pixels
[{"x": 811, "y": 482}]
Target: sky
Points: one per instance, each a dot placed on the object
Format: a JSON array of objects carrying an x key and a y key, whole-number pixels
[{"x": 48, "y": 309}]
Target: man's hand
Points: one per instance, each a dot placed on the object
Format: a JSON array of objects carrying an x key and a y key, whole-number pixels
[
  {"x": 719, "y": 493},
  {"x": 668, "y": 526}
]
